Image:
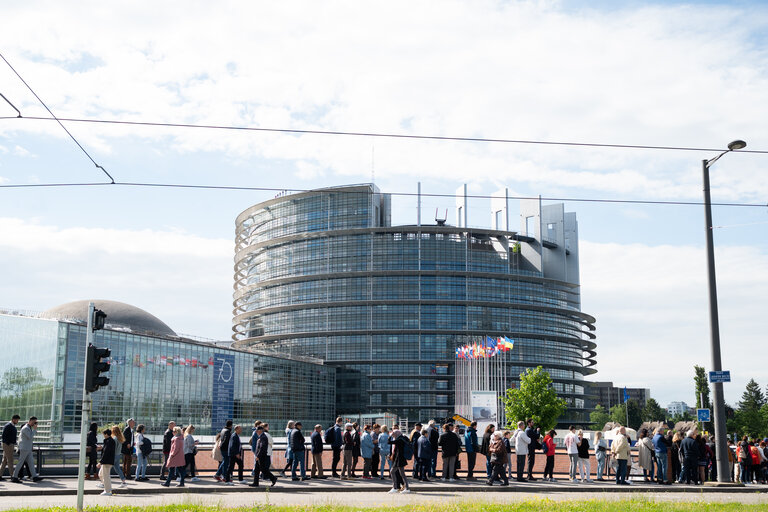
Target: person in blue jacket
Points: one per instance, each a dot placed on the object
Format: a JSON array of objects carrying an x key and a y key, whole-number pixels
[
  {"x": 366, "y": 449},
  {"x": 423, "y": 458},
  {"x": 472, "y": 447}
]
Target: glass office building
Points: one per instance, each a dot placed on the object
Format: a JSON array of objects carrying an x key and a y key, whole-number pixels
[
  {"x": 155, "y": 376},
  {"x": 325, "y": 274}
]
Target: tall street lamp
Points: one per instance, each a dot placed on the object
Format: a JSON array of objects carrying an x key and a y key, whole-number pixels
[{"x": 723, "y": 471}]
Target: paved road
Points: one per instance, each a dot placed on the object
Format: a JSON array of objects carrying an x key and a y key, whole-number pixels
[
  {"x": 61, "y": 492},
  {"x": 362, "y": 499}
]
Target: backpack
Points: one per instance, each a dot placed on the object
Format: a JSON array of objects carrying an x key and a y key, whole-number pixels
[
  {"x": 407, "y": 450},
  {"x": 330, "y": 435},
  {"x": 146, "y": 447}
]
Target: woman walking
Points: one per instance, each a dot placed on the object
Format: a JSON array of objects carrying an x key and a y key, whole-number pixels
[
  {"x": 484, "y": 448},
  {"x": 141, "y": 458},
  {"x": 190, "y": 450},
  {"x": 397, "y": 444},
  {"x": 117, "y": 435},
  {"x": 176, "y": 460}
]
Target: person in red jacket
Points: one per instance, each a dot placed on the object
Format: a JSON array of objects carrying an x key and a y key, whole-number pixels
[{"x": 549, "y": 445}]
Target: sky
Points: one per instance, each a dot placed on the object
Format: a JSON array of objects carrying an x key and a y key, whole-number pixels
[{"x": 692, "y": 75}]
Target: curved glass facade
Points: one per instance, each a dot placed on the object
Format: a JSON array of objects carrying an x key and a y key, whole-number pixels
[{"x": 323, "y": 274}]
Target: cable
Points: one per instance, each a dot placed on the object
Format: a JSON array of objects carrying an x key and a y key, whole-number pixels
[
  {"x": 386, "y": 135},
  {"x": 342, "y": 191},
  {"x": 54, "y": 118}
]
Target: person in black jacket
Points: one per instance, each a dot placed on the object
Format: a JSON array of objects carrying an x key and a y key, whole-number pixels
[
  {"x": 690, "y": 453},
  {"x": 222, "y": 474},
  {"x": 355, "y": 447},
  {"x": 415, "y": 435},
  {"x": 397, "y": 443},
  {"x": 533, "y": 434},
  {"x": 107, "y": 461},
  {"x": 297, "y": 448},
  {"x": 434, "y": 435},
  {"x": 127, "y": 448},
  {"x": 167, "y": 437},
  {"x": 235, "y": 455},
  {"x": 91, "y": 448},
  {"x": 451, "y": 445},
  {"x": 10, "y": 436},
  {"x": 262, "y": 461},
  {"x": 317, "y": 452},
  {"x": 485, "y": 445}
]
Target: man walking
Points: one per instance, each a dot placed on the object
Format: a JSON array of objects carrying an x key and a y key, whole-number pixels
[
  {"x": 316, "y": 440},
  {"x": 522, "y": 442},
  {"x": 167, "y": 438},
  {"x": 235, "y": 452},
  {"x": 471, "y": 446},
  {"x": 127, "y": 448},
  {"x": 222, "y": 474},
  {"x": 10, "y": 436},
  {"x": 26, "y": 445},
  {"x": 533, "y": 435},
  {"x": 336, "y": 434},
  {"x": 297, "y": 448},
  {"x": 262, "y": 461}
]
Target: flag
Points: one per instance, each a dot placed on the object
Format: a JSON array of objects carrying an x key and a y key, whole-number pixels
[
  {"x": 509, "y": 343},
  {"x": 626, "y": 394}
]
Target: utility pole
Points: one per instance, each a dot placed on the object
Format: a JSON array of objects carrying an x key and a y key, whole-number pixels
[{"x": 86, "y": 411}]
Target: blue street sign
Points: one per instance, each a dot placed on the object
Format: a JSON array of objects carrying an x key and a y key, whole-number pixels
[
  {"x": 702, "y": 415},
  {"x": 723, "y": 376}
]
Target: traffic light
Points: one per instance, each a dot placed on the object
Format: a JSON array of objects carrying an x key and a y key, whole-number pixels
[
  {"x": 99, "y": 318},
  {"x": 94, "y": 367}
]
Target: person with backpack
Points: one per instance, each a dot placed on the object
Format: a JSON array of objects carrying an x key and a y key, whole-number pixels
[
  {"x": 400, "y": 449},
  {"x": 498, "y": 458},
  {"x": 549, "y": 451},
  {"x": 533, "y": 434},
  {"x": 143, "y": 449},
  {"x": 471, "y": 447}
]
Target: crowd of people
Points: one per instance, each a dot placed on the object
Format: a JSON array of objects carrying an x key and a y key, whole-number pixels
[{"x": 663, "y": 456}]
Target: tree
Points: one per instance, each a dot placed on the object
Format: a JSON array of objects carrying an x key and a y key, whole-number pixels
[
  {"x": 702, "y": 392},
  {"x": 17, "y": 380},
  {"x": 535, "y": 398},
  {"x": 619, "y": 413},
  {"x": 653, "y": 411},
  {"x": 749, "y": 418},
  {"x": 599, "y": 417}
]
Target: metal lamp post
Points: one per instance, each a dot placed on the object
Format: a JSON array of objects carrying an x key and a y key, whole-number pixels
[{"x": 723, "y": 471}]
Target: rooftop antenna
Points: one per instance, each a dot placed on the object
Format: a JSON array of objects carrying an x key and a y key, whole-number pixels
[{"x": 441, "y": 221}]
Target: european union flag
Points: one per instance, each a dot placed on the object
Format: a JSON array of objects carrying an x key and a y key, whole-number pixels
[{"x": 626, "y": 394}]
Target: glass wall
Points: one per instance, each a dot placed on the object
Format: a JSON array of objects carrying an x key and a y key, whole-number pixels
[{"x": 389, "y": 305}]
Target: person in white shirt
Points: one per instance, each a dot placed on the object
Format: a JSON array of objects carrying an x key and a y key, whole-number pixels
[
  {"x": 521, "y": 449},
  {"x": 572, "y": 449}
]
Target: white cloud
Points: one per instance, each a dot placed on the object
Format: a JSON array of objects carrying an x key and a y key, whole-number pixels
[
  {"x": 651, "y": 304},
  {"x": 524, "y": 70},
  {"x": 183, "y": 279}
]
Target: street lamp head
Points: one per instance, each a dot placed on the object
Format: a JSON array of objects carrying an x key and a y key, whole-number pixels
[{"x": 737, "y": 144}]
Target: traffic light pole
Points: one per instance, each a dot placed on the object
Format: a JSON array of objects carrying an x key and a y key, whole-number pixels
[{"x": 86, "y": 412}]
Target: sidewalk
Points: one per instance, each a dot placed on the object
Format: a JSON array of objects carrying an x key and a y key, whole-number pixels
[{"x": 68, "y": 486}]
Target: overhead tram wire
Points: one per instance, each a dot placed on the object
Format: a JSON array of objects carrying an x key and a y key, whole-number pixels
[
  {"x": 379, "y": 134},
  {"x": 401, "y": 194},
  {"x": 53, "y": 116}
]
